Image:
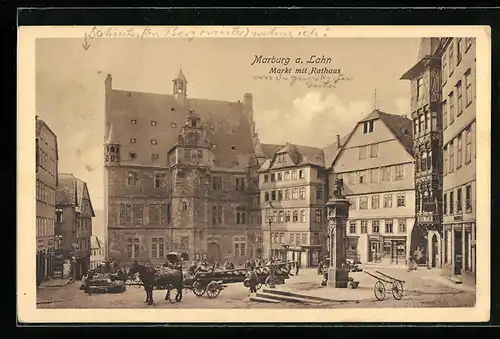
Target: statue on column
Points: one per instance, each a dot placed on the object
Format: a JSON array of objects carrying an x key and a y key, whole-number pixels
[{"x": 339, "y": 186}]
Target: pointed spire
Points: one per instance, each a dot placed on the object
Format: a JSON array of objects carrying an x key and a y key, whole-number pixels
[
  {"x": 375, "y": 100},
  {"x": 181, "y": 76}
]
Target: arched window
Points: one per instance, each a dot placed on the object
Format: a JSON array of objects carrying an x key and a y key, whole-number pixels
[
  {"x": 429, "y": 160},
  {"x": 423, "y": 163}
]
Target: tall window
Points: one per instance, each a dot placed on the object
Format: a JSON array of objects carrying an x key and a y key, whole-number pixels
[
  {"x": 133, "y": 247},
  {"x": 294, "y": 175},
  {"x": 132, "y": 178},
  {"x": 459, "y": 50},
  {"x": 352, "y": 227},
  {"x": 388, "y": 226},
  {"x": 187, "y": 153},
  {"x": 266, "y": 177},
  {"x": 362, "y": 152},
  {"x": 459, "y": 200},
  {"x": 445, "y": 160},
  {"x": 281, "y": 216},
  {"x": 399, "y": 172},
  {"x": 374, "y": 150},
  {"x": 239, "y": 247},
  {"x": 319, "y": 192},
  {"x": 451, "y": 150},
  {"x": 421, "y": 120},
  {"x": 402, "y": 226},
  {"x": 138, "y": 213},
  {"x": 184, "y": 243},
  {"x": 364, "y": 226},
  {"x": 217, "y": 183},
  {"x": 240, "y": 215},
  {"x": 302, "y": 193},
  {"x": 386, "y": 173},
  {"x": 429, "y": 160},
  {"x": 279, "y": 176},
  {"x": 287, "y": 216},
  {"x": 387, "y": 200},
  {"x": 374, "y": 175},
  {"x": 401, "y": 200},
  {"x": 452, "y": 203},
  {"x": 445, "y": 113},
  {"x": 468, "y": 199},
  {"x": 459, "y": 151},
  {"x": 468, "y": 87},
  {"x": 459, "y": 98},
  {"x": 240, "y": 184},
  {"x": 468, "y": 145},
  {"x": 295, "y": 216},
  {"x": 160, "y": 179},
  {"x": 363, "y": 203},
  {"x": 451, "y": 101},
  {"x": 451, "y": 64},
  {"x": 301, "y": 174},
  {"x": 375, "y": 226},
  {"x": 317, "y": 215},
  {"x": 154, "y": 214},
  {"x": 445, "y": 203},
  {"x": 286, "y": 176},
  {"x": 280, "y": 195},
  {"x": 419, "y": 89},
  {"x": 302, "y": 216},
  {"x": 125, "y": 214},
  {"x": 295, "y": 193},
  {"x": 415, "y": 126},
  {"x": 157, "y": 248},
  {"x": 287, "y": 194},
  {"x": 444, "y": 62},
  {"x": 362, "y": 177},
  {"x": 375, "y": 201}
]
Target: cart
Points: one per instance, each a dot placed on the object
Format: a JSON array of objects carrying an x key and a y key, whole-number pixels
[
  {"x": 386, "y": 283},
  {"x": 213, "y": 282}
]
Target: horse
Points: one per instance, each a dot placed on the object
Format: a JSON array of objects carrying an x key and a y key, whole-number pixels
[{"x": 163, "y": 276}]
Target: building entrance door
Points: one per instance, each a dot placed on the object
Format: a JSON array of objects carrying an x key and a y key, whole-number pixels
[
  {"x": 375, "y": 254},
  {"x": 458, "y": 253}
]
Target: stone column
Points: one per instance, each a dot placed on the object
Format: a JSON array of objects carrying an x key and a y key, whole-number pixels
[{"x": 338, "y": 211}]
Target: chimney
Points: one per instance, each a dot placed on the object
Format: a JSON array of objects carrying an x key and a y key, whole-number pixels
[
  {"x": 247, "y": 100},
  {"x": 338, "y": 141}
]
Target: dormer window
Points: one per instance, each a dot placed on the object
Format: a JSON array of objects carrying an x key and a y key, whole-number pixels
[
  {"x": 153, "y": 142},
  {"x": 281, "y": 157},
  {"x": 133, "y": 121},
  {"x": 132, "y": 140},
  {"x": 174, "y": 125},
  {"x": 132, "y": 155},
  {"x": 368, "y": 126},
  {"x": 233, "y": 148},
  {"x": 214, "y": 145},
  {"x": 153, "y": 123}
]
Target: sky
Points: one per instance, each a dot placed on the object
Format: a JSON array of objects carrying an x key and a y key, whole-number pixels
[{"x": 70, "y": 87}]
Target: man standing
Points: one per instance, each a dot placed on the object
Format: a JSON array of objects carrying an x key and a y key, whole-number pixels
[{"x": 297, "y": 266}]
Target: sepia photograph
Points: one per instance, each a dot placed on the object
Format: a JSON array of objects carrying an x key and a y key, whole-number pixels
[{"x": 265, "y": 169}]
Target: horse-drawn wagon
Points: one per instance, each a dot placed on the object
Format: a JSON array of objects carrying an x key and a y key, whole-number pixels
[{"x": 213, "y": 281}]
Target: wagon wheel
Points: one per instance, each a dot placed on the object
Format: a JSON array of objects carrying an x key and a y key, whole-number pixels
[
  {"x": 397, "y": 289},
  {"x": 213, "y": 290},
  {"x": 268, "y": 281},
  {"x": 173, "y": 293},
  {"x": 379, "y": 290},
  {"x": 198, "y": 289}
]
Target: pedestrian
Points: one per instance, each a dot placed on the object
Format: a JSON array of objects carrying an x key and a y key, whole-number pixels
[
  {"x": 252, "y": 279},
  {"x": 320, "y": 268},
  {"x": 297, "y": 266}
]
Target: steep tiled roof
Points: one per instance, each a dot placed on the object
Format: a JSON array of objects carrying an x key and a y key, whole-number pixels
[
  {"x": 227, "y": 126},
  {"x": 331, "y": 151},
  {"x": 401, "y": 127},
  {"x": 299, "y": 154},
  {"x": 70, "y": 191},
  {"x": 270, "y": 149}
]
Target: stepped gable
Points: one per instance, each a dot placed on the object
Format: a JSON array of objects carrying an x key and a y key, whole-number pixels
[{"x": 226, "y": 124}]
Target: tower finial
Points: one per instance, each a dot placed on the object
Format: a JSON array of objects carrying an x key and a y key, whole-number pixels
[{"x": 375, "y": 100}]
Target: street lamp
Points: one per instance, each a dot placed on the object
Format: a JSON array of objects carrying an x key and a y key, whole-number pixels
[{"x": 271, "y": 268}]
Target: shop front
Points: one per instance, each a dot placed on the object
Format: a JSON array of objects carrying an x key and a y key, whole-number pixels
[
  {"x": 375, "y": 242},
  {"x": 460, "y": 250},
  {"x": 394, "y": 250}
]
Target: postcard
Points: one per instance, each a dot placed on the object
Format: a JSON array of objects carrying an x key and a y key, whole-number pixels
[{"x": 258, "y": 174}]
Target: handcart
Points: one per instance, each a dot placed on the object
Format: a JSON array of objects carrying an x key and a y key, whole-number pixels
[{"x": 386, "y": 283}]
